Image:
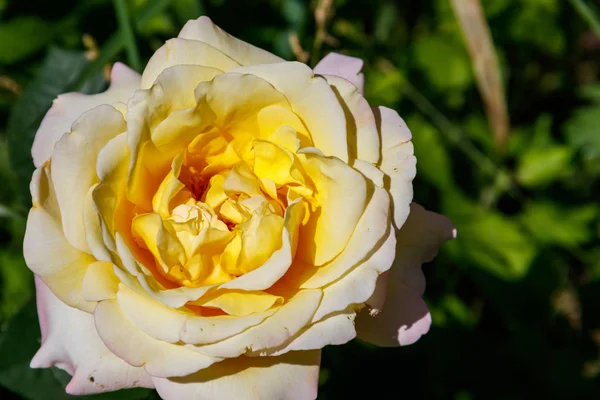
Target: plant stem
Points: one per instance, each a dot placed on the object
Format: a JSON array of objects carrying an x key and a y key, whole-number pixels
[
  {"x": 133, "y": 55},
  {"x": 588, "y": 15}
]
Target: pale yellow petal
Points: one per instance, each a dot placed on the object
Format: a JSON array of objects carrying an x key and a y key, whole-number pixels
[
  {"x": 369, "y": 233},
  {"x": 293, "y": 376},
  {"x": 50, "y": 256},
  {"x": 203, "y": 29},
  {"x": 241, "y": 303},
  {"x": 93, "y": 229},
  {"x": 292, "y": 317},
  {"x": 172, "y": 325},
  {"x": 312, "y": 99},
  {"x": 341, "y": 193},
  {"x": 358, "y": 286},
  {"x": 128, "y": 342},
  {"x": 334, "y": 330},
  {"x": 363, "y": 138},
  {"x": 74, "y": 166},
  {"x": 67, "y": 107},
  {"x": 100, "y": 282},
  {"x": 397, "y": 161},
  {"x": 184, "y": 52}
]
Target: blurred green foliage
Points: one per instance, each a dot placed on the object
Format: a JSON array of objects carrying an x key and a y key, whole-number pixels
[{"x": 515, "y": 299}]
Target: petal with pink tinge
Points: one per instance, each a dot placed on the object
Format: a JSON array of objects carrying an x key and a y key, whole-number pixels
[
  {"x": 405, "y": 317},
  {"x": 70, "y": 342},
  {"x": 345, "y": 66}
]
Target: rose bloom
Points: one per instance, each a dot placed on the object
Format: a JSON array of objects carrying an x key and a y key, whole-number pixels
[{"x": 207, "y": 227}]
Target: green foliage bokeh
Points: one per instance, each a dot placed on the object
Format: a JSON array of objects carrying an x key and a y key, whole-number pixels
[{"x": 515, "y": 299}]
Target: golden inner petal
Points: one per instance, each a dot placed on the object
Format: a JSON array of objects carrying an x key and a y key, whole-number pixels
[{"x": 219, "y": 212}]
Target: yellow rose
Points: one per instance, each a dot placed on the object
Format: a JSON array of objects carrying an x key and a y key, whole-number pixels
[{"x": 207, "y": 227}]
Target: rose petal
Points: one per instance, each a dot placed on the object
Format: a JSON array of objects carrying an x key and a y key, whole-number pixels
[
  {"x": 204, "y": 30},
  {"x": 100, "y": 282},
  {"x": 327, "y": 232},
  {"x": 293, "y": 376},
  {"x": 397, "y": 160},
  {"x": 74, "y": 166},
  {"x": 312, "y": 99},
  {"x": 49, "y": 255},
  {"x": 184, "y": 52},
  {"x": 93, "y": 229},
  {"x": 336, "y": 329},
  {"x": 343, "y": 66},
  {"x": 174, "y": 326},
  {"x": 357, "y": 286},
  {"x": 370, "y": 230},
  {"x": 70, "y": 342},
  {"x": 290, "y": 319},
  {"x": 405, "y": 317},
  {"x": 67, "y": 107},
  {"x": 363, "y": 137},
  {"x": 128, "y": 342}
]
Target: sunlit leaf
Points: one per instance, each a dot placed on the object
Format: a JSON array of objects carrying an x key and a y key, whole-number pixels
[
  {"x": 565, "y": 226},
  {"x": 487, "y": 240},
  {"x": 541, "y": 166}
]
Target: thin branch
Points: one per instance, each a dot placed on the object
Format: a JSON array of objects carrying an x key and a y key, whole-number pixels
[{"x": 485, "y": 66}]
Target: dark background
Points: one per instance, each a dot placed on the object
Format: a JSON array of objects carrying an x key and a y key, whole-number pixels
[{"x": 515, "y": 299}]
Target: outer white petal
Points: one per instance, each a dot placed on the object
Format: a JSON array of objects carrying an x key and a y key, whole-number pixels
[
  {"x": 293, "y": 376},
  {"x": 397, "y": 160},
  {"x": 334, "y": 330},
  {"x": 405, "y": 316},
  {"x": 67, "y": 107},
  {"x": 74, "y": 166},
  {"x": 127, "y": 341},
  {"x": 203, "y": 29},
  {"x": 70, "y": 342},
  {"x": 49, "y": 255},
  {"x": 343, "y": 66}
]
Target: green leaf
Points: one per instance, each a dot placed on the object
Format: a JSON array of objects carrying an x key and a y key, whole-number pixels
[
  {"x": 445, "y": 62},
  {"x": 541, "y": 167},
  {"x": 536, "y": 23},
  {"x": 19, "y": 340},
  {"x": 582, "y": 131},
  {"x": 385, "y": 86},
  {"x": 565, "y": 226},
  {"x": 22, "y": 37},
  {"x": 591, "y": 92},
  {"x": 16, "y": 282},
  {"x": 57, "y": 75},
  {"x": 458, "y": 311},
  {"x": 387, "y": 22},
  {"x": 487, "y": 240}
]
